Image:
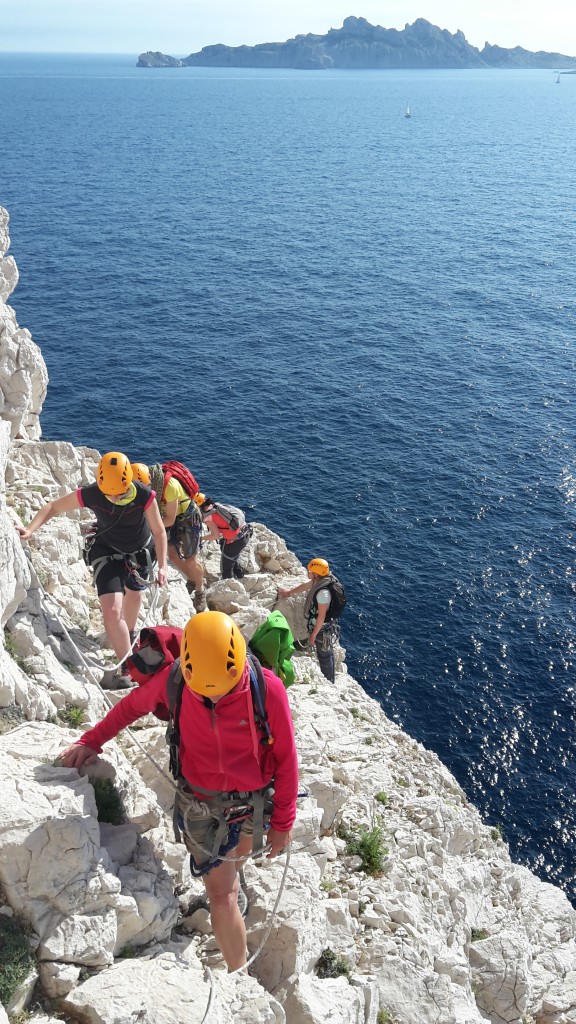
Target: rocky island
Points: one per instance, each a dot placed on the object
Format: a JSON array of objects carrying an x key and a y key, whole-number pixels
[
  {"x": 398, "y": 904},
  {"x": 360, "y": 45}
]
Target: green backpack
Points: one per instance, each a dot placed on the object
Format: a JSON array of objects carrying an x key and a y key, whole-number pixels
[{"x": 273, "y": 645}]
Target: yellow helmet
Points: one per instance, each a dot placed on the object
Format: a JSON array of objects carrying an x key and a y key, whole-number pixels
[
  {"x": 114, "y": 474},
  {"x": 212, "y": 654},
  {"x": 199, "y": 498},
  {"x": 141, "y": 473},
  {"x": 319, "y": 566}
]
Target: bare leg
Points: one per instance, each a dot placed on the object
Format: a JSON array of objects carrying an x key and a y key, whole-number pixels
[
  {"x": 189, "y": 567},
  {"x": 227, "y": 921},
  {"x": 117, "y": 629},
  {"x": 131, "y": 607}
]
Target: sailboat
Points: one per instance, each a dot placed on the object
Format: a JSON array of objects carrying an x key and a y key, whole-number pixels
[{"x": 407, "y": 112}]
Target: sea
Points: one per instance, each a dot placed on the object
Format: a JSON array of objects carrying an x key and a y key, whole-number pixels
[{"x": 361, "y": 328}]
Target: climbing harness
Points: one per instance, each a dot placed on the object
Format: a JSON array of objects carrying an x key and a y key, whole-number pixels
[
  {"x": 130, "y": 560},
  {"x": 227, "y": 812}
]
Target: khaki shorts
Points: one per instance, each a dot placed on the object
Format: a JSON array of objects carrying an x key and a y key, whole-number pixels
[{"x": 211, "y": 827}]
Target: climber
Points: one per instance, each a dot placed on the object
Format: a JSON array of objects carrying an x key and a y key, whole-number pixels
[
  {"x": 238, "y": 768},
  {"x": 325, "y": 601},
  {"x": 226, "y": 524},
  {"x": 127, "y": 538},
  {"x": 183, "y": 524}
]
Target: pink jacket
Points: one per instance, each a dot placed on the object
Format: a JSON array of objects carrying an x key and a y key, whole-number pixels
[{"x": 220, "y": 746}]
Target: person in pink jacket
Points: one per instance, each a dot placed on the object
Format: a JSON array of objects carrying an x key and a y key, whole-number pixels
[{"x": 228, "y": 767}]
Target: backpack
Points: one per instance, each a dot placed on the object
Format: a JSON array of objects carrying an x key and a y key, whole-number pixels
[
  {"x": 232, "y": 515},
  {"x": 159, "y": 646},
  {"x": 337, "y": 600},
  {"x": 273, "y": 643},
  {"x": 161, "y": 474}
]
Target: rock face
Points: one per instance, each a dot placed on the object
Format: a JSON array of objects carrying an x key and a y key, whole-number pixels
[
  {"x": 358, "y": 44},
  {"x": 23, "y": 375},
  {"x": 155, "y": 59},
  {"x": 517, "y": 57},
  {"x": 393, "y": 881}
]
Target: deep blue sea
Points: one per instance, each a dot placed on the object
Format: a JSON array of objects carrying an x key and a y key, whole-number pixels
[{"x": 359, "y": 327}]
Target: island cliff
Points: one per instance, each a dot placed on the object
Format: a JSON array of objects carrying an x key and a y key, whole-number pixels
[
  {"x": 395, "y": 886},
  {"x": 360, "y": 45}
]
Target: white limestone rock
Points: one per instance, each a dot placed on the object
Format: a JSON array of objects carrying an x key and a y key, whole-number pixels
[
  {"x": 170, "y": 989},
  {"x": 299, "y": 931},
  {"x": 15, "y": 575},
  {"x": 54, "y": 869},
  {"x": 23, "y": 374},
  {"x": 58, "y": 980},
  {"x": 308, "y": 999}
]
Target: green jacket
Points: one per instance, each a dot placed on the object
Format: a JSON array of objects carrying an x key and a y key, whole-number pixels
[{"x": 273, "y": 645}]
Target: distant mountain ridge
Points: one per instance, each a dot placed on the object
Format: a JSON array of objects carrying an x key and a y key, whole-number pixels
[{"x": 360, "y": 45}]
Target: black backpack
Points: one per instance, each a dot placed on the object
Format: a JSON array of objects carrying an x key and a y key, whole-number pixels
[{"x": 337, "y": 600}]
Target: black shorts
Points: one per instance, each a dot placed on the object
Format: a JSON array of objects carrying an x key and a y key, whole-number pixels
[{"x": 119, "y": 573}]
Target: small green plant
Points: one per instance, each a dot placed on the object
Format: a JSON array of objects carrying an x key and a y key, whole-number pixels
[
  {"x": 72, "y": 715},
  {"x": 127, "y": 953},
  {"x": 381, "y": 798},
  {"x": 384, "y": 1017},
  {"x": 327, "y": 884},
  {"x": 496, "y": 834},
  {"x": 369, "y": 740},
  {"x": 108, "y": 802},
  {"x": 403, "y": 782},
  {"x": 313, "y": 690},
  {"x": 12, "y": 650},
  {"x": 354, "y": 712},
  {"x": 16, "y": 957},
  {"x": 329, "y": 965},
  {"x": 368, "y": 844},
  {"x": 362, "y": 907},
  {"x": 478, "y": 934}
]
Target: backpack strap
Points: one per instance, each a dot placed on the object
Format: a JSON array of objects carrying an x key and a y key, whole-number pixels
[
  {"x": 174, "y": 689},
  {"x": 258, "y": 691}
]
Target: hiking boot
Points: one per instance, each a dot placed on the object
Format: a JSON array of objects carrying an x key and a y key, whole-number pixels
[
  {"x": 115, "y": 680},
  {"x": 199, "y": 601},
  {"x": 238, "y": 571}
]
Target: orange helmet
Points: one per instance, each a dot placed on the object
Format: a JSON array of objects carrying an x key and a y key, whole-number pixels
[
  {"x": 212, "y": 654},
  {"x": 114, "y": 474},
  {"x": 141, "y": 473},
  {"x": 199, "y": 498},
  {"x": 319, "y": 566}
]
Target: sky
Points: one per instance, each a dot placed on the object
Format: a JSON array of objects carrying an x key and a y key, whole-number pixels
[{"x": 179, "y": 27}]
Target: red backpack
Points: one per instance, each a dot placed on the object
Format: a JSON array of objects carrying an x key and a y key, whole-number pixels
[
  {"x": 157, "y": 646},
  {"x": 182, "y": 474}
]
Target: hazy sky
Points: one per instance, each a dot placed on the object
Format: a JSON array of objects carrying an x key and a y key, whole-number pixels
[{"x": 179, "y": 27}]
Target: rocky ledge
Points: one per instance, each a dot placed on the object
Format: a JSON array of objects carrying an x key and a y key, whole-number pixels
[
  {"x": 358, "y": 44},
  {"x": 398, "y": 905}
]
